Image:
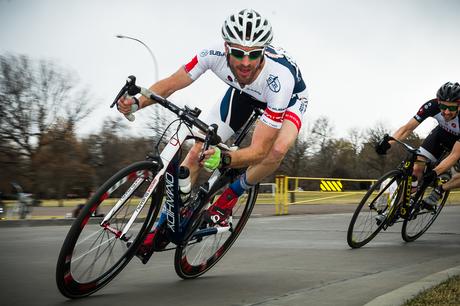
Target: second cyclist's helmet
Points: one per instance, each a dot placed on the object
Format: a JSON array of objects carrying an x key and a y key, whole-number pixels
[
  {"x": 449, "y": 92},
  {"x": 247, "y": 28}
]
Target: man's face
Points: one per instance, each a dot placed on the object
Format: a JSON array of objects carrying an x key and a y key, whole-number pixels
[
  {"x": 244, "y": 62},
  {"x": 448, "y": 109}
]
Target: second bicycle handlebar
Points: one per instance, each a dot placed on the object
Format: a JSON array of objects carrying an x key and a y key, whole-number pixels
[{"x": 408, "y": 148}]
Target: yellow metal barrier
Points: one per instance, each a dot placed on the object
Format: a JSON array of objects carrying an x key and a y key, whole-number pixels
[
  {"x": 327, "y": 185},
  {"x": 284, "y": 196}
]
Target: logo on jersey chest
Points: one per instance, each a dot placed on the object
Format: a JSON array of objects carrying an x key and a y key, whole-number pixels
[
  {"x": 273, "y": 83},
  {"x": 206, "y": 52},
  {"x": 216, "y": 53}
]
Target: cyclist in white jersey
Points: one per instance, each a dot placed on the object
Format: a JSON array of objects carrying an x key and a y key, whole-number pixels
[{"x": 258, "y": 75}]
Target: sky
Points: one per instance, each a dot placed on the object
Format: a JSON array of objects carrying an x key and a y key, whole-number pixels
[{"x": 365, "y": 62}]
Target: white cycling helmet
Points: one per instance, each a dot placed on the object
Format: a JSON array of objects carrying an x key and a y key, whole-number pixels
[{"x": 247, "y": 28}]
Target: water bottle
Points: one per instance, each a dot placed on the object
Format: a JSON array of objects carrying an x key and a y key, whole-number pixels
[{"x": 185, "y": 184}]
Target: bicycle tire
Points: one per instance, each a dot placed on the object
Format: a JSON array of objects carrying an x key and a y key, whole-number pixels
[
  {"x": 363, "y": 225},
  {"x": 92, "y": 255},
  {"x": 420, "y": 219},
  {"x": 194, "y": 257}
]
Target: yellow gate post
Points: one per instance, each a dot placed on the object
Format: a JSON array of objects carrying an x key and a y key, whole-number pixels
[
  {"x": 277, "y": 190},
  {"x": 281, "y": 196},
  {"x": 278, "y": 193},
  {"x": 285, "y": 195}
]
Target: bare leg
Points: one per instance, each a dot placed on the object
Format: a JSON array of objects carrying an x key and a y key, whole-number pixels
[
  {"x": 191, "y": 161},
  {"x": 284, "y": 141},
  {"x": 419, "y": 167}
]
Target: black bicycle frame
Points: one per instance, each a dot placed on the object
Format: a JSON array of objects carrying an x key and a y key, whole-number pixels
[{"x": 178, "y": 227}]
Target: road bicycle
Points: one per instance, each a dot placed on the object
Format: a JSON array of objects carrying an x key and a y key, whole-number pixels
[
  {"x": 392, "y": 200},
  {"x": 97, "y": 249}
]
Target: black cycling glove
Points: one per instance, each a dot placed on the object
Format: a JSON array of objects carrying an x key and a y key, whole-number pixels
[
  {"x": 429, "y": 177},
  {"x": 382, "y": 146}
]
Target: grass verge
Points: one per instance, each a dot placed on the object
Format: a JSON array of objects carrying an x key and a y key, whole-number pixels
[{"x": 446, "y": 293}]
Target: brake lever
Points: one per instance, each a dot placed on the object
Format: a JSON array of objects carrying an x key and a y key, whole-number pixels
[
  {"x": 129, "y": 89},
  {"x": 211, "y": 138},
  {"x": 120, "y": 94},
  {"x": 205, "y": 146}
]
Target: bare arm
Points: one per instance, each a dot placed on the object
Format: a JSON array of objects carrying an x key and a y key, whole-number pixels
[
  {"x": 164, "y": 88},
  {"x": 168, "y": 86},
  {"x": 406, "y": 129},
  {"x": 262, "y": 140}
]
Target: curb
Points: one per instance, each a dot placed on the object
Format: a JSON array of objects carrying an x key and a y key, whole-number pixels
[{"x": 401, "y": 295}]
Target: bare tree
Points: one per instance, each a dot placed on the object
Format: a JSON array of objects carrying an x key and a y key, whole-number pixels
[
  {"x": 34, "y": 96},
  {"x": 322, "y": 133}
]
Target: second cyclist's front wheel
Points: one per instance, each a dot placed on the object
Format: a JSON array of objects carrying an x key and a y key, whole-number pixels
[
  {"x": 208, "y": 244},
  {"x": 95, "y": 249},
  {"x": 375, "y": 209},
  {"x": 421, "y": 218}
]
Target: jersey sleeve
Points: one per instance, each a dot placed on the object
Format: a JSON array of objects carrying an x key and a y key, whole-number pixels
[
  {"x": 204, "y": 60},
  {"x": 196, "y": 67},
  {"x": 278, "y": 94},
  {"x": 429, "y": 109}
]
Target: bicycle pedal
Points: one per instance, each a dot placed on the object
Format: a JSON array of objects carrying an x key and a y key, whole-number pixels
[
  {"x": 126, "y": 238},
  {"x": 144, "y": 257}
]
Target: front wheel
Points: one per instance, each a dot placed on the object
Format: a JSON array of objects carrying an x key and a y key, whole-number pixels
[
  {"x": 420, "y": 219},
  {"x": 208, "y": 244},
  {"x": 375, "y": 209},
  {"x": 94, "y": 251}
]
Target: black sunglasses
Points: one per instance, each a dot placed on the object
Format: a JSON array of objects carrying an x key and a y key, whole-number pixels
[
  {"x": 239, "y": 53},
  {"x": 452, "y": 108}
]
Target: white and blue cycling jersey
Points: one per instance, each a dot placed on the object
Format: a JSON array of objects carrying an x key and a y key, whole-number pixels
[{"x": 279, "y": 86}]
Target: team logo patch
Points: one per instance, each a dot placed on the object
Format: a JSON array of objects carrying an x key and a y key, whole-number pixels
[
  {"x": 204, "y": 53},
  {"x": 454, "y": 125},
  {"x": 303, "y": 105},
  {"x": 273, "y": 83},
  {"x": 229, "y": 78}
]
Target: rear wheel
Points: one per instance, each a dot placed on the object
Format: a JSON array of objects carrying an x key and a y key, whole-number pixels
[
  {"x": 94, "y": 252},
  {"x": 375, "y": 209},
  {"x": 421, "y": 218},
  {"x": 208, "y": 244}
]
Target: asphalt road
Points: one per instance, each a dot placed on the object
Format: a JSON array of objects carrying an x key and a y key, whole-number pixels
[{"x": 286, "y": 260}]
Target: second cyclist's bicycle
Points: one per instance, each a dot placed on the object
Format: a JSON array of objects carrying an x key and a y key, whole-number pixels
[
  {"x": 391, "y": 200},
  {"x": 97, "y": 249}
]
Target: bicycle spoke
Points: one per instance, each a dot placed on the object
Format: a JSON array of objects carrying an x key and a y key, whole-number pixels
[
  {"x": 93, "y": 252},
  {"x": 209, "y": 244},
  {"x": 421, "y": 219},
  {"x": 376, "y": 210}
]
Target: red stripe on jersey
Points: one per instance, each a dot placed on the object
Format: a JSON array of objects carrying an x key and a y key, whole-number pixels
[
  {"x": 294, "y": 119},
  {"x": 275, "y": 116},
  {"x": 191, "y": 64}
]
